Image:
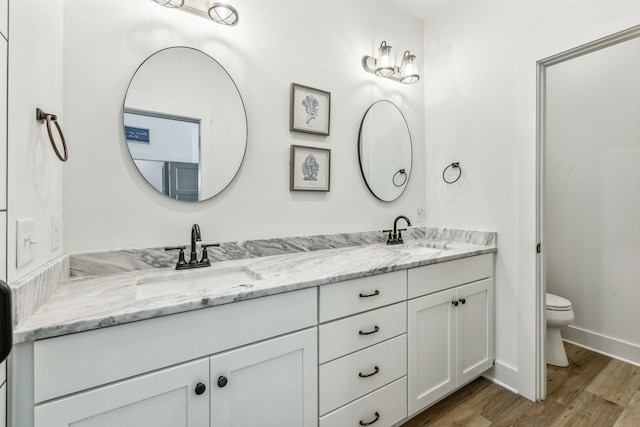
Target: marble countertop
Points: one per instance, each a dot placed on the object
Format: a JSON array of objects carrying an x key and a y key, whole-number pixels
[{"x": 87, "y": 303}]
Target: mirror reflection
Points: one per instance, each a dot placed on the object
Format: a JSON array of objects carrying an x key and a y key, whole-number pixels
[
  {"x": 384, "y": 151},
  {"x": 185, "y": 124}
]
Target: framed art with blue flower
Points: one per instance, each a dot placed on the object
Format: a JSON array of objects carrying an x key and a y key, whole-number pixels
[
  {"x": 310, "y": 169},
  {"x": 310, "y": 110}
]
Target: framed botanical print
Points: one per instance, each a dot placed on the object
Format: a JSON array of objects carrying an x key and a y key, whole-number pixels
[
  {"x": 310, "y": 169},
  {"x": 310, "y": 110}
]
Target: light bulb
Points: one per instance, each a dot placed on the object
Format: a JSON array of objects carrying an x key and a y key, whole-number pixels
[
  {"x": 409, "y": 70},
  {"x": 384, "y": 63}
]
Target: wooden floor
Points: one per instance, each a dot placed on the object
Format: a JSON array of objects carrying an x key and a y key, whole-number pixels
[{"x": 594, "y": 391}]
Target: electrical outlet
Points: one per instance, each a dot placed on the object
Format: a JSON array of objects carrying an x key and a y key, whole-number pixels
[
  {"x": 25, "y": 242},
  {"x": 419, "y": 214},
  {"x": 56, "y": 232}
]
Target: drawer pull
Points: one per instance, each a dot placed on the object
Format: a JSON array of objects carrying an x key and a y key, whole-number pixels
[
  {"x": 375, "y": 371},
  {"x": 455, "y": 303},
  {"x": 376, "y": 293},
  {"x": 362, "y": 423},
  {"x": 376, "y": 329},
  {"x": 462, "y": 300}
]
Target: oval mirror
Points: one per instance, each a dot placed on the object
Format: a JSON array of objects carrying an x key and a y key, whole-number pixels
[
  {"x": 185, "y": 124},
  {"x": 384, "y": 151}
]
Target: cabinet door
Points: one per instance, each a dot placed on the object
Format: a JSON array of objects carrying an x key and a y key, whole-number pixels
[
  {"x": 475, "y": 329},
  {"x": 3, "y": 405},
  {"x": 270, "y": 384},
  {"x": 165, "y": 398},
  {"x": 431, "y": 348}
]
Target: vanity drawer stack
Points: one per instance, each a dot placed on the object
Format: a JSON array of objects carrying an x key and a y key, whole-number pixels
[{"x": 363, "y": 351}]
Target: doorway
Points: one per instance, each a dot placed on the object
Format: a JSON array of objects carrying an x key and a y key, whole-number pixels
[
  {"x": 167, "y": 151},
  {"x": 588, "y": 192}
]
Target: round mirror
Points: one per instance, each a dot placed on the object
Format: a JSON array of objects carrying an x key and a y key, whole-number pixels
[
  {"x": 384, "y": 151},
  {"x": 185, "y": 124}
]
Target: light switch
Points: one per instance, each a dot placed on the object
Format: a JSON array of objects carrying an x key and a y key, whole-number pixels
[{"x": 25, "y": 242}]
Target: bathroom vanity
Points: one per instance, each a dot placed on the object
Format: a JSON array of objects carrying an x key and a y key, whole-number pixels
[{"x": 366, "y": 335}]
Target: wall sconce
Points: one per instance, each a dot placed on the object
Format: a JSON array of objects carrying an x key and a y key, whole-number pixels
[
  {"x": 383, "y": 66},
  {"x": 221, "y": 13}
]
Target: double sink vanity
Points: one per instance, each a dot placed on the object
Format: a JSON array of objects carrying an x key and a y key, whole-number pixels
[{"x": 363, "y": 333}]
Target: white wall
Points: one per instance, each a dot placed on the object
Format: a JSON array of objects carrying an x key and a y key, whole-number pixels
[
  {"x": 591, "y": 197},
  {"x": 480, "y": 97},
  {"x": 170, "y": 140},
  {"x": 34, "y": 181},
  {"x": 107, "y": 205}
]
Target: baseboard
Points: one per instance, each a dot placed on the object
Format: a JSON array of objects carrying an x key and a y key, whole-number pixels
[
  {"x": 612, "y": 347},
  {"x": 504, "y": 375}
]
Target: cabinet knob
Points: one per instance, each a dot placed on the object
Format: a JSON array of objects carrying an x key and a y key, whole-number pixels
[
  {"x": 365, "y": 423},
  {"x": 222, "y": 381},
  {"x": 462, "y": 300},
  {"x": 200, "y": 388},
  {"x": 455, "y": 303}
]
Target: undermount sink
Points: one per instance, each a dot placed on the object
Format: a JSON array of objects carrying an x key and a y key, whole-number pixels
[
  {"x": 177, "y": 283},
  {"x": 422, "y": 247}
]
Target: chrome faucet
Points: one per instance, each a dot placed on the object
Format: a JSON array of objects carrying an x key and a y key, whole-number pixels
[
  {"x": 193, "y": 259},
  {"x": 395, "y": 235}
]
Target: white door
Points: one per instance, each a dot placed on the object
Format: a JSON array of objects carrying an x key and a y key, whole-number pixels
[
  {"x": 474, "y": 329},
  {"x": 269, "y": 384},
  {"x": 165, "y": 398},
  {"x": 431, "y": 348}
]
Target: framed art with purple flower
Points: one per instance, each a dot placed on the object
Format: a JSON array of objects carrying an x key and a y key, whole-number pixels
[
  {"x": 310, "y": 110},
  {"x": 310, "y": 169}
]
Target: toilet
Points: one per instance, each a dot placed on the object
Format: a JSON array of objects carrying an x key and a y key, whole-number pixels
[{"x": 559, "y": 313}]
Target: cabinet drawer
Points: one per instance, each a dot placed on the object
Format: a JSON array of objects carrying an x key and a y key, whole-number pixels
[
  {"x": 388, "y": 405},
  {"x": 436, "y": 277},
  {"x": 348, "y": 378},
  {"x": 354, "y": 296},
  {"x": 363, "y": 330}
]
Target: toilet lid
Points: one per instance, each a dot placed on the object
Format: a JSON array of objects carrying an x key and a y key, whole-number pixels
[{"x": 554, "y": 302}]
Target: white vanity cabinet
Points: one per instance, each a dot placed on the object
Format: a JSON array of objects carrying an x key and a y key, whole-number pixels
[
  {"x": 450, "y": 332},
  {"x": 272, "y": 383},
  {"x": 363, "y": 351},
  {"x": 367, "y": 351},
  {"x": 167, "y": 371}
]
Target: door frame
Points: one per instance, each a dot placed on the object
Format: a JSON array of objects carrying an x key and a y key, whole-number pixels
[{"x": 541, "y": 88}]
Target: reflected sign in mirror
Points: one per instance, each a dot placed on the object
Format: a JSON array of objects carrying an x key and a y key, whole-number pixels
[
  {"x": 385, "y": 151},
  {"x": 185, "y": 124}
]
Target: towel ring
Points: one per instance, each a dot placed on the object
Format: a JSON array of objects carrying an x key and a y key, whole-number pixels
[
  {"x": 47, "y": 118},
  {"x": 400, "y": 172},
  {"x": 454, "y": 165}
]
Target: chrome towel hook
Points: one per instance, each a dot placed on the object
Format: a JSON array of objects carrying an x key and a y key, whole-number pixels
[{"x": 47, "y": 118}]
